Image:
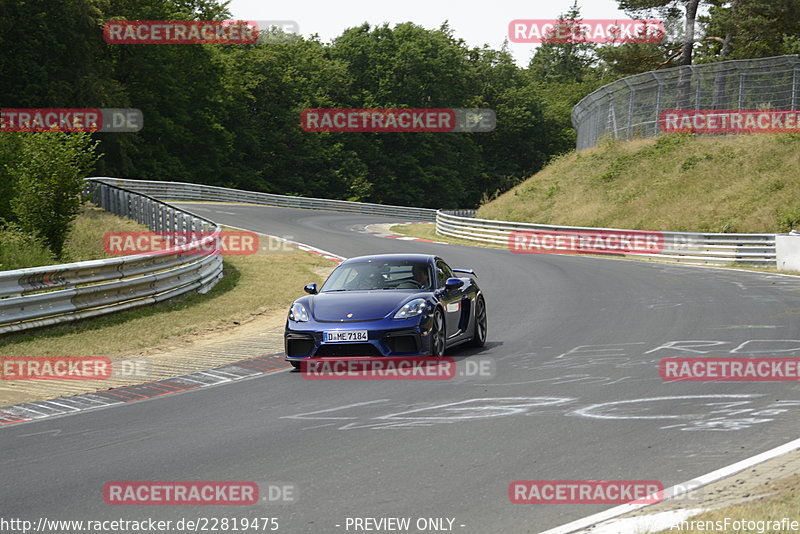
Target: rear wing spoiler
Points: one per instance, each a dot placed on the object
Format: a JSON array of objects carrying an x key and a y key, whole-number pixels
[{"x": 465, "y": 271}]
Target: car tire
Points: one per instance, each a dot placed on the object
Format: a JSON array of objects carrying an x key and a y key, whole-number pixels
[
  {"x": 438, "y": 334},
  {"x": 296, "y": 365},
  {"x": 481, "y": 323}
]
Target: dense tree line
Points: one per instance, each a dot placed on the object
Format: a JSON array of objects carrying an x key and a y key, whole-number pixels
[{"x": 229, "y": 115}]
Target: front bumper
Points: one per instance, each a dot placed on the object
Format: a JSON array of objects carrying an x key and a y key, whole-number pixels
[{"x": 386, "y": 337}]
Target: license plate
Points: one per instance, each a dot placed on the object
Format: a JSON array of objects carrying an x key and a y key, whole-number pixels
[{"x": 345, "y": 335}]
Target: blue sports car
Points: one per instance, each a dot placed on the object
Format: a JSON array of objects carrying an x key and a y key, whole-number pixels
[{"x": 387, "y": 305}]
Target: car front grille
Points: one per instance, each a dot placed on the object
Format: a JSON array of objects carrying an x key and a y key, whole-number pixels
[
  {"x": 402, "y": 344},
  {"x": 298, "y": 345}
]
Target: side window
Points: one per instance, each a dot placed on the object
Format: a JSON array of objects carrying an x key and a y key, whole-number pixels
[
  {"x": 443, "y": 272},
  {"x": 447, "y": 271}
]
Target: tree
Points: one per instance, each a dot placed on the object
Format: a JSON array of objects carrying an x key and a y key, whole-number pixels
[
  {"x": 558, "y": 76},
  {"x": 669, "y": 9},
  {"x": 564, "y": 60},
  {"x": 49, "y": 178},
  {"x": 740, "y": 29},
  {"x": 627, "y": 58},
  {"x": 9, "y": 156}
]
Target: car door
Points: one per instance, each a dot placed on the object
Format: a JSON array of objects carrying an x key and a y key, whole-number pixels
[{"x": 451, "y": 299}]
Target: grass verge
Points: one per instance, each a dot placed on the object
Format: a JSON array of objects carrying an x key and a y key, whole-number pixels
[
  {"x": 783, "y": 503},
  {"x": 19, "y": 250},
  {"x": 255, "y": 285},
  {"x": 680, "y": 182}
]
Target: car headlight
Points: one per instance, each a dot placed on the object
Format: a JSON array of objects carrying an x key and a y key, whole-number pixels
[
  {"x": 411, "y": 309},
  {"x": 298, "y": 313}
]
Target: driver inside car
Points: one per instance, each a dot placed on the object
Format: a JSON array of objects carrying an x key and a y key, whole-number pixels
[
  {"x": 366, "y": 276},
  {"x": 420, "y": 274}
]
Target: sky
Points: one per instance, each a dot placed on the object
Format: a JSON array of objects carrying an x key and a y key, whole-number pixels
[{"x": 478, "y": 23}]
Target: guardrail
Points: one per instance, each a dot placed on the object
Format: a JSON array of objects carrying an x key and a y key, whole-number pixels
[
  {"x": 681, "y": 247},
  {"x": 187, "y": 191},
  {"x": 54, "y": 294}
]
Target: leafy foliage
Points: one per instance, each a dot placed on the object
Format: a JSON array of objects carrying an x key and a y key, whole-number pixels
[{"x": 48, "y": 180}]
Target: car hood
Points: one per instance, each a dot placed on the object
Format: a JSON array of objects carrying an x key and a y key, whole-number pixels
[{"x": 349, "y": 306}]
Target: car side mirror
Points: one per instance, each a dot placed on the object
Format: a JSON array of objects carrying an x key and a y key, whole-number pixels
[
  {"x": 453, "y": 283},
  {"x": 311, "y": 289}
]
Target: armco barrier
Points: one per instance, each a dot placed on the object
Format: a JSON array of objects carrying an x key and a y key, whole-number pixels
[
  {"x": 683, "y": 247},
  {"x": 186, "y": 191},
  {"x": 43, "y": 296}
]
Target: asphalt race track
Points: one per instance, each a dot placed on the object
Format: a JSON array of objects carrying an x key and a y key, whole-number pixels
[{"x": 576, "y": 342}]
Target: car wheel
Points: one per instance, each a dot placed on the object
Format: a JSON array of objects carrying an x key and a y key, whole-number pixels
[
  {"x": 296, "y": 365},
  {"x": 438, "y": 334},
  {"x": 481, "y": 323}
]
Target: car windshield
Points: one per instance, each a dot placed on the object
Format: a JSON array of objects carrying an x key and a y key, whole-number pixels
[{"x": 368, "y": 275}]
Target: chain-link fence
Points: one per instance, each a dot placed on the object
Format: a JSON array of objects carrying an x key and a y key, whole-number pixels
[{"x": 630, "y": 107}]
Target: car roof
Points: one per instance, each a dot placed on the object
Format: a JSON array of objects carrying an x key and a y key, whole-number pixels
[{"x": 422, "y": 258}]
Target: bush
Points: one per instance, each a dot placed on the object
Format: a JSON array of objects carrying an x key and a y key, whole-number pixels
[
  {"x": 47, "y": 180},
  {"x": 19, "y": 249}
]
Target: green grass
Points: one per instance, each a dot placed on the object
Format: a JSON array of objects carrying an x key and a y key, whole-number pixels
[
  {"x": 85, "y": 241},
  {"x": 678, "y": 182},
  {"x": 785, "y": 504},
  {"x": 19, "y": 250}
]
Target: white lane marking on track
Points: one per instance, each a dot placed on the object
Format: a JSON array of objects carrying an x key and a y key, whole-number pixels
[
  {"x": 328, "y": 410},
  {"x": 595, "y": 411},
  {"x": 576, "y": 349},
  {"x": 54, "y": 432},
  {"x": 457, "y": 411}
]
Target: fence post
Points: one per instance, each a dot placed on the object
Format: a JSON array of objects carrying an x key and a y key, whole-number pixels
[
  {"x": 630, "y": 111},
  {"x": 697, "y": 80},
  {"x": 741, "y": 89},
  {"x": 659, "y": 90}
]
